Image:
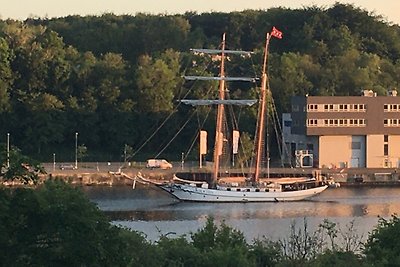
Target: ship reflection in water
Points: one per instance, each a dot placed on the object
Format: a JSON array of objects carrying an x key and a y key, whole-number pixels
[{"x": 153, "y": 212}]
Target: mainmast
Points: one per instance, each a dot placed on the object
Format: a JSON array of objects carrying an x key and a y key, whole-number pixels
[
  {"x": 261, "y": 115},
  {"x": 264, "y": 93}
]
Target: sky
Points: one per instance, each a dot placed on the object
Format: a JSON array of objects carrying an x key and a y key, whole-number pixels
[{"x": 22, "y": 9}]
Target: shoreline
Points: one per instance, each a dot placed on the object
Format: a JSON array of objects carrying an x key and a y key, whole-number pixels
[{"x": 352, "y": 177}]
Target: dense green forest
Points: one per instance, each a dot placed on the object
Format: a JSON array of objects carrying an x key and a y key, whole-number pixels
[{"x": 116, "y": 79}]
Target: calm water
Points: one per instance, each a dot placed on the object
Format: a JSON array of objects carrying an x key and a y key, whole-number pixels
[{"x": 154, "y": 212}]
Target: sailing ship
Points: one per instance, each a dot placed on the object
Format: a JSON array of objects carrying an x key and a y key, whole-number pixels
[{"x": 251, "y": 190}]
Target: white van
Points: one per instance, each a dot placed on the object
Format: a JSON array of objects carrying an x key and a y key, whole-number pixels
[{"x": 158, "y": 163}]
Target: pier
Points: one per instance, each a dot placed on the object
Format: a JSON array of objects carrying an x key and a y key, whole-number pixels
[{"x": 103, "y": 174}]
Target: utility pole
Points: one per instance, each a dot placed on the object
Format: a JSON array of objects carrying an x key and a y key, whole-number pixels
[
  {"x": 8, "y": 150},
  {"x": 54, "y": 162},
  {"x": 76, "y": 150}
]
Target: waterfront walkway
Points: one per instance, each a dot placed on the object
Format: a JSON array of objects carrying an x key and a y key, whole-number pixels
[{"x": 103, "y": 173}]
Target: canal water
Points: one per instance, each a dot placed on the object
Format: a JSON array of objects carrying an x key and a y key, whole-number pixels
[{"x": 153, "y": 212}]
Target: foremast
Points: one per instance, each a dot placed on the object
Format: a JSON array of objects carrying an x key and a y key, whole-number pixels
[
  {"x": 221, "y": 102},
  {"x": 220, "y": 112}
]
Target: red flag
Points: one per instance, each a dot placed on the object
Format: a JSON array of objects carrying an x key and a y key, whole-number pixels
[{"x": 276, "y": 33}]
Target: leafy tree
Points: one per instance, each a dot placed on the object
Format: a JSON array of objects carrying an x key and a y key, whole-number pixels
[
  {"x": 157, "y": 80},
  {"x": 291, "y": 75},
  {"x": 45, "y": 126},
  {"x": 246, "y": 150},
  {"x": 6, "y": 77},
  {"x": 337, "y": 258},
  {"x": 382, "y": 247},
  {"x": 127, "y": 153},
  {"x": 223, "y": 246},
  {"x": 178, "y": 252},
  {"x": 265, "y": 252},
  {"x": 17, "y": 167},
  {"x": 301, "y": 245},
  {"x": 56, "y": 225},
  {"x": 82, "y": 152}
]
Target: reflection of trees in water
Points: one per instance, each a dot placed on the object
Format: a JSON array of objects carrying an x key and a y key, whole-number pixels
[
  {"x": 152, "y": 204},
  {"x": 173, "y": 212},
  {"x": 359, "y": 210},
  {"x": 376, "y": 209},
  {"x": 141, "y": 215}
]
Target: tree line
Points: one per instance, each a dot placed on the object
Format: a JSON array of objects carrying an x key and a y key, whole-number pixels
[{"x": 115, "y": 79}]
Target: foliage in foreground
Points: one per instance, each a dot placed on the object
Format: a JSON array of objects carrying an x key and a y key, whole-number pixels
[
  {"x": 56, "y": 225},
  {"x": 18, "y": 167}
]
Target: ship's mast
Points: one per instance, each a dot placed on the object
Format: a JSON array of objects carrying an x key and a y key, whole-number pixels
[
  {"x": 220, "y": 113},
  {"x": 221, "y": 101},
  {"x": 261, "y": 115}
]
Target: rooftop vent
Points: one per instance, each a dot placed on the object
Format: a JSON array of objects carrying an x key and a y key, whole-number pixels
[
  {"x": 392, "y": 92},
  {"x": 369, "y": 93}
]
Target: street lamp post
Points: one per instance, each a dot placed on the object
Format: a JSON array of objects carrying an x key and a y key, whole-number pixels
[
  {"x": 8, "y": 150},
  {"x": 125, "y": 154},
  {"x": 54, "y": 162},
  {"x": 76, "y": 150}
]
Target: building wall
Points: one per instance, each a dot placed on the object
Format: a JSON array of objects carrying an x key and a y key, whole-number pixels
[
  {"x": 375, "y": 151},
  {"x": 373, "y": 112},
  {"x": 394, "y": 151},
  {"x": 334, "y": 151}
]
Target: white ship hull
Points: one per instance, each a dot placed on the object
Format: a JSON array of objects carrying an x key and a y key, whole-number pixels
[{"x": 187, "y": 192}]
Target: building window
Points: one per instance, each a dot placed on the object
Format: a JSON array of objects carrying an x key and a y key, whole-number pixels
[
  {"x": 312, "y": 122},
  {"x": 385, "y": 138},
  {"x": 386, "y": 150},
  {"x": 391, "y": 122},
  {"x": 312, "y": 107},
  {"x": 391, "y": 107},
  {"x": 387, "y": 163}
]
